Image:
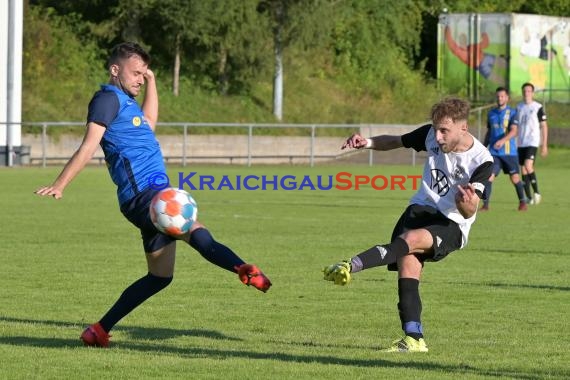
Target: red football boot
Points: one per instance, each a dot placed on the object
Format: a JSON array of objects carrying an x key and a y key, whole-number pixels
[
  {"x": 94, "y": 335},
  {"x": 250, "y": 274}
]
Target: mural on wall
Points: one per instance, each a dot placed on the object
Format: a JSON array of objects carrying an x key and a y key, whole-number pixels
[
  {"x": 479, "y": 52},
  {"x": 537, "y": 53}
]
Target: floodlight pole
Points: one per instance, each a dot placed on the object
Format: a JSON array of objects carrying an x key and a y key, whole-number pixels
[
  {"x": 10, "y": 87},
  {"x": 13, "y": 78}
]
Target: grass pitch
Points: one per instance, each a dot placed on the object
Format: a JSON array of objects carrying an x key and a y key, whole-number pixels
[{"x": 497, "y": 309}]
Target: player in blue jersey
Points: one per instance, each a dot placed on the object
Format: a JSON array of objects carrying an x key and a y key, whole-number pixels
[
  {"x": 125, "y": 131},
  {"x": 501, "y": 140}
]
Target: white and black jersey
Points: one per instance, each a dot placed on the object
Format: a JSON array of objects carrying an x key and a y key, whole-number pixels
[
  {"x": 529, "y": 117},
  {"x": 443, "y": 172}
]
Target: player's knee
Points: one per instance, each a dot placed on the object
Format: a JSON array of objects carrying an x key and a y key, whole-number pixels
[
  {"x": 201, "y": 240},
  {"x": 417, "y": 239},
  {"x": 409, "y": 266},
  {"x": 159, "y": 283}
]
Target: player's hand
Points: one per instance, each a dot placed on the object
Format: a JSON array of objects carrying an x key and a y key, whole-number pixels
[
  {"x": 49, "y": 190},
  {"x": 465, "y": 193},
  {"x": 544, "y": 151},
  {"x": 466, "y": 200},
  {"x": 499, "y": 144},
  {"x": 149, "y": 75},
  {"x": 355, "y": 141}
]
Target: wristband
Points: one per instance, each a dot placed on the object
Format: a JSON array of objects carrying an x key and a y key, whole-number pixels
[{"x": 368, "y": 144}]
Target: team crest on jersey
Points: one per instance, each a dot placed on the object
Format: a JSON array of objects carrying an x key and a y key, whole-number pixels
[
  {"x": 137, "y": 121},
  {"x": 459, "y": 173},
  {"x": 439, "y": 182}
]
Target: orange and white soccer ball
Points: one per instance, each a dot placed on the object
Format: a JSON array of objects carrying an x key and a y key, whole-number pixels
[{"x": 173, "y": 211}]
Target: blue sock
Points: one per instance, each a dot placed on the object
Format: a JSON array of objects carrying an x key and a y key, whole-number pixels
[
  {"x": 520, "y": 191},
  {"x": 139, "y": 291},
  {"x": 216, "y": 253},
  {"x": 414, "y": 329}
]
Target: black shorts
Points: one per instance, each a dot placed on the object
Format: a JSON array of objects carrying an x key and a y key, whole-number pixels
[
  {"x": 526, "y": 153},
  {"x": 445, "y": 232},
  {"x": 136, "y": 211},
  {"x": 509, "y": 165}
]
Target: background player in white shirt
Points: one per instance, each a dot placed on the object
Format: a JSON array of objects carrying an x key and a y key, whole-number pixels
[{"x": 532, "y": 133}]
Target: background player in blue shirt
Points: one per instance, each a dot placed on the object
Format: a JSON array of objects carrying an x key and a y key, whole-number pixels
[
  {"x": 125, "y": 132},
  {"x": 501, "y": 139}
]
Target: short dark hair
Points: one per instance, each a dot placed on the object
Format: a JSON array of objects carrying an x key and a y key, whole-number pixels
[
  {"x": 527, "y": 84},
  {"x": 454, "y": 108},
  {"x": 125, "y": 50},
  {"x": 501, "y": 88}
]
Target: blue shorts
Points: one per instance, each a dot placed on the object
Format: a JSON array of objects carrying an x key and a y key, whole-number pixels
[
  {"x": 509, "y": 164},
  {"x": 136, "y": 210}
]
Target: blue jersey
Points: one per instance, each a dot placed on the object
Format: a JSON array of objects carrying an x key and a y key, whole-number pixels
[
  {"x": 499, "y": 123},
  {"x": 132, "y": 152}
]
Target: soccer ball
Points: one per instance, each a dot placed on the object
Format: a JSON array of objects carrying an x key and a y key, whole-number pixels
[{"x": 173, "y": 211}]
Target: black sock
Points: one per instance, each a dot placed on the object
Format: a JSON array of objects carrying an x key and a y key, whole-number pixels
[
  {"x": 488, "y": 191},
  {"x": 526, "y": 180},
  {"x": 410, "y": 307},
  {"x": 216, "y": 253},
  {"x": 534, "y": 182},
  {"x": 380, "y": 255},
  {"x": 520, "y": 191},
  {"x": 139, "y": 291}
]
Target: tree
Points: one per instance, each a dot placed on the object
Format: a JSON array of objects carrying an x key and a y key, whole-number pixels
[
  {"x": 180, "y": 23},
  {"x": 306, "y": 23},
  {"x": 235, "y": 35},
  {"x": 59, "y": 69},
  {"x": 221, "y": 40},
  {"x": 375, "y": 42}
]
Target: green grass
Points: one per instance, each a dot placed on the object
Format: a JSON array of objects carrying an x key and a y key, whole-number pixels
[{"x": 497, "y": 309}]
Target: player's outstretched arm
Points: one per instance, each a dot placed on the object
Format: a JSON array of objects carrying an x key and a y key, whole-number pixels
[
  {"x": 77, "y": 162},
  {"x": 381, "y": 142}
]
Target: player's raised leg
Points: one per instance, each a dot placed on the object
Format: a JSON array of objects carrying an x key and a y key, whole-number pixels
[
  {"x": 219, "y": 254},
  {"x": 378, "y": 255}
]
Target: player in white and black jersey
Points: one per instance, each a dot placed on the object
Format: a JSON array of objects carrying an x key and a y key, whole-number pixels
[
  {"x": 532, "y": 133},
  {"x": 439, "y": 216}
]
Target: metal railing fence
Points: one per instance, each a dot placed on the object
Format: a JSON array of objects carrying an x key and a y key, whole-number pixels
[{"x": 249, "y": 156}]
